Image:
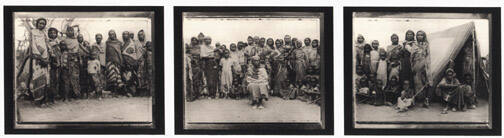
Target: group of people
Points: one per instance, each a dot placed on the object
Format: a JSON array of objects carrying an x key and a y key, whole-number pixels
[
  {"x": 62, "y": 65},
  {"x": 398, "y": 75},
  {"x": 256, "y": 68}
]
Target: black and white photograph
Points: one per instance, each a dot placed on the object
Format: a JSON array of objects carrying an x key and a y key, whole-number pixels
[
  {"x": 252, "y": 68},
  {"x": 83, "y": 68},
  {"x": 422, "y": 70}
]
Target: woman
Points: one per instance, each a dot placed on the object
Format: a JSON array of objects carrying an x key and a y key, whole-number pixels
[
  {"x": 300, "y": 62},
  {"x": 257, "y": 79},
  {"x": 114, "y": 61},
  {"x": 420, "y": 60},
  {"x": 39, "y": 69},
  {"x": 405, "y": 57},
  {"x": 197, "y": 75},
  {"x": 280, "y": 70}
]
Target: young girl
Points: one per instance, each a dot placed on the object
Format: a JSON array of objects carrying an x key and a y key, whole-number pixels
[{"x": 226, "y": 78}]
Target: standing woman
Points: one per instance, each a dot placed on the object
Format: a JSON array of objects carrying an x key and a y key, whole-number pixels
[
  {"x": 405, "y": 57},
  {"x": 114, "y": 60},
  {"x": 39, "y": 69},
  {"x": 420, "y": 66}
]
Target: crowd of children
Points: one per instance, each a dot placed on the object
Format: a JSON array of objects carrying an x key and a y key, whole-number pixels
[
  {"x": 257, "y": 69},
  {"x": 398, "y": 75}
]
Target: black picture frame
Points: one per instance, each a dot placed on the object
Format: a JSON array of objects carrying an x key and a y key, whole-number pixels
[
  {"x": 495, "y": 44},
  {"x": 257, "y": 128},
  {"x": 157, "y": 125}
]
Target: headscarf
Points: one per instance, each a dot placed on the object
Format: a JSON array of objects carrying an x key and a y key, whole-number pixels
[
  {"x": 406, "y": 35},
  {"x": 425, "y": 36},
  {"x": 360, "y": 36}
]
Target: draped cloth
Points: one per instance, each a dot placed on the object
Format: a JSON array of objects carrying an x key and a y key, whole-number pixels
[
  {"x": 114, "y": 61},
  {"x": 420, "y": 59},
  {"x": 257, "y": 86},
  {"x": 39, "y": 76}
]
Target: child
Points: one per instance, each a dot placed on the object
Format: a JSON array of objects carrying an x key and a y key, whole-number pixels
[
  {"x": 382, "y": 67},
  {"x": 226, "y": 77},
  {"x": 292, "y": 92},
  {"x": 375, "y": 56},
  {"x": 365, "y": 62},
  {"x": 392, "y": 91},
  {"x": 94, "y": 70},
  {"x": 470, "y": 96},
  {"x": 406, "y": 99},
  {"x": 379, "y": 96},
  {"x": 305, "y": 89}
]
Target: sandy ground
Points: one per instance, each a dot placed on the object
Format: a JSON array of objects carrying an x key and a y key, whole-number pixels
[
  {"x": 228, "y": 110},
  {"x": 366, "y": 112},
  {"x": 136, "y": 109}
]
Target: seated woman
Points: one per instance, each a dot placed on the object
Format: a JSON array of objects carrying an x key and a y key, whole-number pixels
[
  {"x": 257, "y": 79},
  {"x": 450, "y": 91}
]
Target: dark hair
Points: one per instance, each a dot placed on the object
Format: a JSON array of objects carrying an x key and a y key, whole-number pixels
[{"x": 52, "y": 29}]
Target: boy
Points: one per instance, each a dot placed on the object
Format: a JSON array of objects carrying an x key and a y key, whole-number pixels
[{"x": 94, "y": 70}]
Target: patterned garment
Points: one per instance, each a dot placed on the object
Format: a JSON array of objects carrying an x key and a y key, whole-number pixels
[{"x": 113, "y": 75}]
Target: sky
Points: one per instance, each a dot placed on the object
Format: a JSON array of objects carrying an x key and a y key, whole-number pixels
[
  {"x": 382, "y": 28},
  {"x": 232, "y": 30}
]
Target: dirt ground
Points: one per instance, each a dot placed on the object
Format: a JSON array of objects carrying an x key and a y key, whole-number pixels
[
  {"x": 136, "y": 109},
  {"x": 366, "y": 112},
  {"x": 228, "y": 110}
]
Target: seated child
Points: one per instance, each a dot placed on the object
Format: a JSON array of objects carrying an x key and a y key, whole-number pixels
[
  {"x": 406, "y": 100},
  {"x": 392, "y": 91},
  {"x": 470, "y": 96}
]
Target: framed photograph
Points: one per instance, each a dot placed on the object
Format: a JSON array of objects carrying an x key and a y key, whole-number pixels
[
  {"x": 83, "y": 70},
  {"x": 422, "y": 71},
  {"x": 253, "y": 70}
]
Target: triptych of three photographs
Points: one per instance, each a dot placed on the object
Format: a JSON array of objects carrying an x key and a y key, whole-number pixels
[{"x": 252, "y": 70}]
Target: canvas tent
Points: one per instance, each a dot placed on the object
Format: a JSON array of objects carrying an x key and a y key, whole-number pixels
[{"x": 448, "y": 45}]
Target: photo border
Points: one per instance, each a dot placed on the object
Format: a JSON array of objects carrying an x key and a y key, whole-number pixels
[
  {"x": 157, "y": 126},
  {"x": 495, "y": 44},
  {"x": 327, "y": 127}
]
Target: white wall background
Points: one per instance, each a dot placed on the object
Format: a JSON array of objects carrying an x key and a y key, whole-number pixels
[
  {"x": 169, "y": 58},
  {"x": 232, "y": 30},
  {"x": 89, "y": 27}
]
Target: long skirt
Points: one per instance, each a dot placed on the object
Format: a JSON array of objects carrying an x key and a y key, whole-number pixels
[
  {"x": 71, "y": 75},
  {"x": 39, "y": 81},
  {"x": 114, "y": 79},
  {"x": 259, "y": 91},
  {"x": 280, "y": 79},
  {"x": 211, "y": 75},
  {"x": 300, "y": 68}
]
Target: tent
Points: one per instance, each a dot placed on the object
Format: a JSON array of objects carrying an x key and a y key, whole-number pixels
[{"x": 448, "y": 45}]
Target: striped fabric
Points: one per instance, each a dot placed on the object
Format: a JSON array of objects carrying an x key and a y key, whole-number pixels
[{"x": 113, "y": 74}]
